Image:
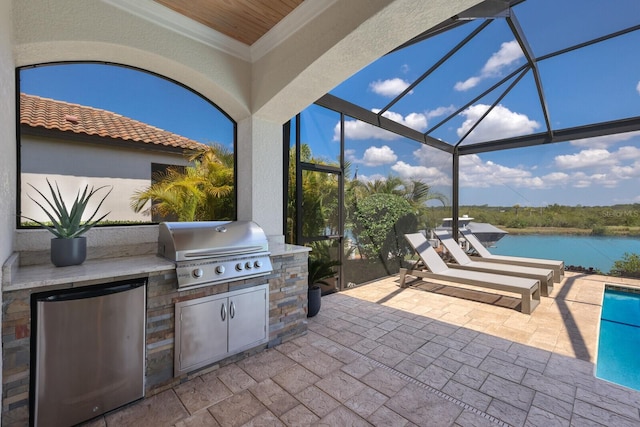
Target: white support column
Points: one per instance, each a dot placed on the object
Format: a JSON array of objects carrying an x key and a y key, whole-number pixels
[{"x": 259, "y": 184}]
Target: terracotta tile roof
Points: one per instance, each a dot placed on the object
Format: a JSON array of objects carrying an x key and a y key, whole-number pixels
[{"x": 46, "y": 113}]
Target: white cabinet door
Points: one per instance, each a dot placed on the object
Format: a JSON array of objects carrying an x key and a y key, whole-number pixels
[
  {"x": 248, "y": 319},
  {"x": 201, "y": 332}
]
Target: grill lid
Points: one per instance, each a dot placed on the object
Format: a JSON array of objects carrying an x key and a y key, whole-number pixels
[{"x": 181, "y": 241}]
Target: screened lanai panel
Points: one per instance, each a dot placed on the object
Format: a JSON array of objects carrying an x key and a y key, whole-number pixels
[
  {"x": 599, "y": 171},
  {"x": 320, "y": 204},
  {"x": 320, "y": 132},
  {"x": 597, "y": 83},
  {"x": 552, "y": 25},
  {"x": 473, "y": 69},
  {"x": 512, "y": 115},
  {"x": 393, "y": 189},
  {"x": 380, "y": 82}
]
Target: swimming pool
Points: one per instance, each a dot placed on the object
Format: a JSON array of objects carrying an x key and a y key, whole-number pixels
[{"x": 619, "y": 341}]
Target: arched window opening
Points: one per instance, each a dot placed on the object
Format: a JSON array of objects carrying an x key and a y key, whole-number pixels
[{"x": 164, "y": 151}]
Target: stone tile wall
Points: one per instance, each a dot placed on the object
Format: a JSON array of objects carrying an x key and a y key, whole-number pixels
[{"x": 287, "y": 320}]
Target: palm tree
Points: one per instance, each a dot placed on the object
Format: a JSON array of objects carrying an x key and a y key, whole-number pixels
[
  {"x": 215, "y": 165},
  {"x": 416, "y": 192},
  {"x": 203, "y": 191},
  {"x": 176, "y": 194}
]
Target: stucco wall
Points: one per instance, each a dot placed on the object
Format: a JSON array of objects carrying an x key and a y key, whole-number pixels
[
  {"x": 7, "y": 138},
  {"x": 260, "y": 96},
  {"x": 7, "y": 133},
  {"x": 72, "y": 165},
  {"x": 47, "y": 31}
]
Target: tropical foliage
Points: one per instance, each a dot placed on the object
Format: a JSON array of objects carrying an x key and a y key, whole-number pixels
[
  {"x": 380, "y": 222},
  {"x": 321, "y": 264},
  {"x": 617, "y": 219},
  {"x": 628, "y": 266},
  {"x": 203, "y": 191},
  {"x": 376, "y": 213}
]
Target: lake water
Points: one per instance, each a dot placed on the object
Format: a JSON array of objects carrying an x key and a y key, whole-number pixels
[{"x": 586, "y": 251}]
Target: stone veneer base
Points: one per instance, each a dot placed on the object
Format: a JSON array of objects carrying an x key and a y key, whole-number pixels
[{"x": 287, "y": 320}]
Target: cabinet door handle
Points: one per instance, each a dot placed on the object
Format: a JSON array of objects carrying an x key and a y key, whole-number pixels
[
  {"x": 223, "y": 312},
  {"x": 232, "y": 310}
]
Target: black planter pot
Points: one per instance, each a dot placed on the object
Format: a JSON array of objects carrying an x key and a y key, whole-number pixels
[
  {"x": 65, "y": 252},
  {"x": 314, "y": 296}
]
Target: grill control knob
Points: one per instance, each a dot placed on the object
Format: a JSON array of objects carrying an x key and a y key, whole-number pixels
[
  {"x": 248, "y": 265},
  {"x": 257, "y": 264},
  {"x": 238, "y": 267},
  {"x": 197, "y": 273},
  {"x": 220, "y": 269}
]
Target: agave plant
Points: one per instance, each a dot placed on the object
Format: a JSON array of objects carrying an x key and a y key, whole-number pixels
[{"x": 67, "y": 224}]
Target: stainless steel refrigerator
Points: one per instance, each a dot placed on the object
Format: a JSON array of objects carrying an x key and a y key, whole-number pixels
[{"x": 89, "y": 351}]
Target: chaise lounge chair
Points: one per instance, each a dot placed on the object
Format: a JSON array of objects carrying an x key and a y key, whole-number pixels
[
  {"x": 544, "y": 275},
  {"x": 529, "y": 289},
  {"x": 485, "y": 255}
]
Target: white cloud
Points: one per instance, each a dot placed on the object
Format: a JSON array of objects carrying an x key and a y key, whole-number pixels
[
  {"x": 508, "y": 54},
  {"x": 557, "y": 178},
  {"x": 377, "y": 156},
  {"x": 476, "y": 173},
  {"x": 628, "y": 171},
  {"x": 628, "y": 153},
  {"x": 440, "y": 111},
  {"x": 584, "y": 158},
  {"x": 601, "y": 168},
  {"x": 638, "y": 88},
  {"x": 604, "y": 141},
  {"x": 431, "y": 175},
  {"x": 356, "y": 129},
  {"x": 432, "y": 157},
  {"x": 499, "y": 123},
  {"x": 471, "y": 82},
  {"x": 389, "y": 87},
  {"x": 350, "y": 155},
  {"x": 417, "y": 121},
  {"x": 597, "y": 158},
  {"x": 371, "y": 178},
  {"x": 583, "y": 180}
]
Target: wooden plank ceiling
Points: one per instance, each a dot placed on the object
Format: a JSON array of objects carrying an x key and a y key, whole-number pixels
[{"x": 243, "y": 20}]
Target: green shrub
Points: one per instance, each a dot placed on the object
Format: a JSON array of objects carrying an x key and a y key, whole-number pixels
[
  {"x": 628, "y": 266},
  {"x": 381, "y": 220}
]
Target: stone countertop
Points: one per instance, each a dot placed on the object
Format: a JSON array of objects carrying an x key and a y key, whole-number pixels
[
  {"x": 106, "y": 269},
  {"x": 16, "y": 278},
  {"x": 281, "y": 249}
]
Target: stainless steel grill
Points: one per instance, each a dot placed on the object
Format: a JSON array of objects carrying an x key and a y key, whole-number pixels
[{"x": 210, "y": 252}]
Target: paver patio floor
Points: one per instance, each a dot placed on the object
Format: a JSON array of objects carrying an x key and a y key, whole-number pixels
[{"x": 427, "y": 355}]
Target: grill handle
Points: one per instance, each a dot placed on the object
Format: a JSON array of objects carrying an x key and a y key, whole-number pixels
[
  {"x": 223, "y": 312},
  {"x": 223, "y": 251}
]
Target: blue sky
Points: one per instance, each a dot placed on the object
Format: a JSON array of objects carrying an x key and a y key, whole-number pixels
[
  {"x": 594, "y": 84},
  {"x": 137, "y": 95}
]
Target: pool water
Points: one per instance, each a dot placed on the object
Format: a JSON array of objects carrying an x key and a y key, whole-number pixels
[{"x": 619, "y": 342}]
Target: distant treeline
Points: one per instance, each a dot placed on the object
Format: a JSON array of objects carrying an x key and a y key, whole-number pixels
[{"x": 596, "y": 220}]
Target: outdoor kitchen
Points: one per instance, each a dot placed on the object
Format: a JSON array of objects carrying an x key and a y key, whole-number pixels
[{"x": 215, "y": 293}]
